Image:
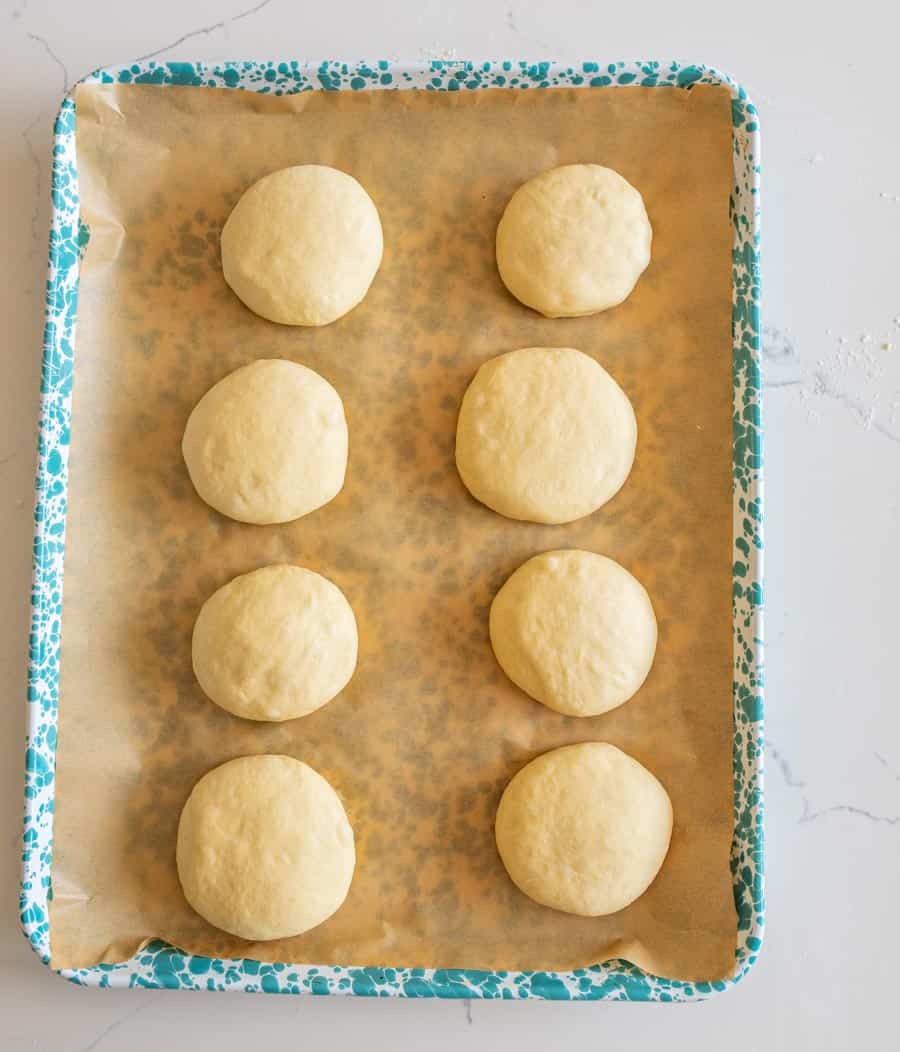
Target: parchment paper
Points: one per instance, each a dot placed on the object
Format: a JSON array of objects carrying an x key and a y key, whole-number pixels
[{"x": 429, "y": 731}]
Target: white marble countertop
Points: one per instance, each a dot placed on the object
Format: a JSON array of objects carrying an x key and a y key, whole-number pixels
[{"x": 826, "y": 90}]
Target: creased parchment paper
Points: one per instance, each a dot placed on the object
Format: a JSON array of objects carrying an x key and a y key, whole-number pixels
[{"x": 423, "y": 740}]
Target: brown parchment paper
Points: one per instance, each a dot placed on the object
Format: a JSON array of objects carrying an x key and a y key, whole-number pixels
[{"x": 428, "y": 732}]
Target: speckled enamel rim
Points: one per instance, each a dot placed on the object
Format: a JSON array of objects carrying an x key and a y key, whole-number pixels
[{"x": 159, "y": 965}]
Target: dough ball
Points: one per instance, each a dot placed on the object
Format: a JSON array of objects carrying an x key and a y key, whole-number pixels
[
  {"x": 573, "y": 241},
  {"x": 584, "y": 829},
  {"x": 268, "y": 443},
  {"x": 265, "y": 850},
  {"x": 275, "y": 644},
  {"x": 302, "y": 245},
  {"x": 575, "y": 631},
  {"x": 544, "y": 434}
]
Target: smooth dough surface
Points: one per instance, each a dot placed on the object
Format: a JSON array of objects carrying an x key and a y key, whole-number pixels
[
  {"x": 575, "y": 630},
  {"x": 275, "y": 644},
  {"x": 302, "y": 245},
  {"x": 268, "y": 443},
  {"x": 265, "y": 849},
  {"x": 573, "y": 241},
  {"x": 584, "y": 829},
  {"x": 544, "y": 434}
]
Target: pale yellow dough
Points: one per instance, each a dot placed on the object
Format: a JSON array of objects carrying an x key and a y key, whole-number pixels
[
  {"x": 275, "y": 644},
  {"x": 544, "y": 434},
  {"x": 265, "y": 849},
  {"x": 574, "y": 630},
  {"x": 268, "y": 443},
  {"x": 573, "y": 240},
  {"x": 302, "y": 245},
  {"x": 584, "y": 829}
]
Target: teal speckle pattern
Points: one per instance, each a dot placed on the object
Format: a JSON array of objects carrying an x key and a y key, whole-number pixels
[{"x": 158, "y": 965}]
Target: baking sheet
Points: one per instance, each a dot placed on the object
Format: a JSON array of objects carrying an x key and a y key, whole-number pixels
[{"x": 423, "y": 740}]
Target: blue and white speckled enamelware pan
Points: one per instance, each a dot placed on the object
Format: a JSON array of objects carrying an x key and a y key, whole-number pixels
[{"x": 159, "y": 965}]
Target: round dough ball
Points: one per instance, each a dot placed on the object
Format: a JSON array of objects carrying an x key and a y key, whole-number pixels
[
  {"x": 573, "y": 241},
  {"x": 268, "y": 443},
  {"x": 275, "y": 644},
  {"x": 575, "y": 631},
  {"x": 302, "y": 245},
  {"x": 584, "y": 829},
  {"x": 545, "y": 434},
  {"x": 265, "y": 849}
]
